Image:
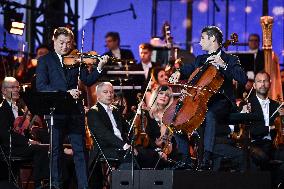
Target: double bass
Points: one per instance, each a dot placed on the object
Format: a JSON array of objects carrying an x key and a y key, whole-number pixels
[{"x": 188, "y": 112}]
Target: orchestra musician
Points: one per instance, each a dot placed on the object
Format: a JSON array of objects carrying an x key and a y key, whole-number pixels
[
  {"x": 220, "y": 104},
  {"x": 112, "y": 40},
  {"x": 158, "y": 78},
  {"x": 263, "y": 131},
  {"x": 21, "y": 145},
  {"x": 53, "y": 75},
  {"x": 145, "y": 54},
  {"x": 107, "y": 124},
  {"x": 159, "y": 135},
  {"x": 253, "y": 44}
]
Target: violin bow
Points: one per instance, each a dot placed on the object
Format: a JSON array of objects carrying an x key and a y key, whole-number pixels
[
  {"x": 139, "y": 106},
  {"x": 249, "y": 93},
  {"x": 276, "y": 110}
]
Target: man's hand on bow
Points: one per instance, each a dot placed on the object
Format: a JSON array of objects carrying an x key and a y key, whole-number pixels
[
  {"x": 75, "y": 93},
  {"x": 102, "y": 61}
]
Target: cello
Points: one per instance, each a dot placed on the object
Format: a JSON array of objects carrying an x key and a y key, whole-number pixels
[{"x": 188, "y": 111}]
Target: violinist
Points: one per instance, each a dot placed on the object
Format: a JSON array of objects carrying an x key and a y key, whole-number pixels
[
  {"x": 163, "y": 143},
  {"x": 21, "y": 146},
  {"x": 220, "y": 104},
  {"x": 263, "y": 131},
  {"x": 52, "y": 75}
]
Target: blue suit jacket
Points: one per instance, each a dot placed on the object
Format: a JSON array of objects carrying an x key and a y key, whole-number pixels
[
  {"x": 51, "y": 76},
  {"x": 233, "y": 71}
]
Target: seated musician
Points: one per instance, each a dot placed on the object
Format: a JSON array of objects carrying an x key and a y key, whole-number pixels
[
  {"x": 263, "y": 131},
  {"x": 220, "y": 104},
  {"x": 163, "y": 144},
  {"x": 159, "y": 77},
  {"x": 21, "y": 146},
  {"x": 145, "y": 54},
  {"x": 112, "y": 40},
  {"x": 106, "y": 123}
]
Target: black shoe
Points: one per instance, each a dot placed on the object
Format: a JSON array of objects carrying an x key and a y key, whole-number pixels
[
  {"x": 205, "y": 166},
  {"x": 182, "y": 166}
]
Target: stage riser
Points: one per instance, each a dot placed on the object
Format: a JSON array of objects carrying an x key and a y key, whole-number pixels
[{"x": 159, "y": 179}]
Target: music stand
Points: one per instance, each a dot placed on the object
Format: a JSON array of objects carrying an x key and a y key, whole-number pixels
[
  {"x": 246, "y": 59},
  {"x": 245, "y": 119},
  {"x": 48, "y": 103}
]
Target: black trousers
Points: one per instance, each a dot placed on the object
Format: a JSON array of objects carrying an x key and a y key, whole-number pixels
[{"x": 39, "y": 155}]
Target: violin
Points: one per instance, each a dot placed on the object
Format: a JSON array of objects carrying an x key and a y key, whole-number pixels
[
  {"x": 21, "y": 123},
  {"x": 140, "y": 125},
  {"x": 279, "y": 127},
  {"x": 242, "y": 135},
  {"x": 165, "y": 140},
  {"x": 75, "y": 58},
  {"x": 89, "y": 139}
]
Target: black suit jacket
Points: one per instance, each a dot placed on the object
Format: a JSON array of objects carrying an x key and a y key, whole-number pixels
[
  {"x": 100, "y": 125},
  {"x": 6, "y": 122},
  {"x": 51, "y": 76},
  {"x": 258, "y": 128},
  {"x": 139, "y": 67},
  {"x": 233, "y": 71},
  {"x": 124, "y": 53}
]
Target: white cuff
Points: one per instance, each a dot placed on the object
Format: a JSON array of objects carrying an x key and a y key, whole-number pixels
[
  {"x": 99, "y": 70},
  {"x": 126, "y": 146}
]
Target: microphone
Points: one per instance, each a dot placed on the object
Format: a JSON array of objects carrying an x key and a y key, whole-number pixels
[
  {"x": 133, "y": 11},
  {"x": 216, "y": 6}
]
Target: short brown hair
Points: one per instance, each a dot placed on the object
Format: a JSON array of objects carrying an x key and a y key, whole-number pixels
[
  {"x": 214, "y": 31},
  {"x": 63, "y": 31},
  {"x": 147, "y": 46},
  {"x": 114, "y": 35}
]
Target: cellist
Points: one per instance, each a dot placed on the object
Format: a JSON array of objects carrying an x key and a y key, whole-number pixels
[{"x": 221, "y": 103}]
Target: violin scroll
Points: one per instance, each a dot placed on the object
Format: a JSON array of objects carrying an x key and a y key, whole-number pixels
[{"x": 234, "y": 38}]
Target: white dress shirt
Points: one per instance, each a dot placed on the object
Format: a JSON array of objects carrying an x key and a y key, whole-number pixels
[
  {"x": 265, "y": 109},
  {"x": 111, "y": 117},
  {"x": 254, "y": 52},
  {"x": 146, "y": 68},
  {"x": 14, "y": 108},
  {"x": 116, "y": 53}
]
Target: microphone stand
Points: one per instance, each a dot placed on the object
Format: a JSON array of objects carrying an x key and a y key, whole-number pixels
[
  {"x": 94, "y": 19},
  {"x": 10, "y": 173},
  {"x": 131, "y": 149},
  {"x": 215, "y": 7},
  {"x": 10, "y": 143}
]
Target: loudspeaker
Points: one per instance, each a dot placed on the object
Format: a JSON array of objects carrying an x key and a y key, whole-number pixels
[
  {"x": 182, "y": 179},
  {"x": 7, "y": 185},
  {"x": 122, "y": 179}
]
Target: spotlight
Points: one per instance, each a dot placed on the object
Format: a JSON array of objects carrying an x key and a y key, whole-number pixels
[
  {"x": 17, "y": 28},
  {"x": 13, "y": 21}
]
